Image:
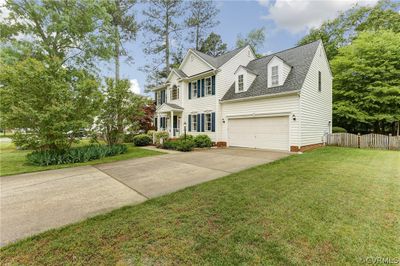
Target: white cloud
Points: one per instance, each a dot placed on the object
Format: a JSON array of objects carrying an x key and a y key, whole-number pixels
[
  {"x": 299, "y": 15},
  {"x": 135, "y": 88},
  {"x": 3, "y": 11}
]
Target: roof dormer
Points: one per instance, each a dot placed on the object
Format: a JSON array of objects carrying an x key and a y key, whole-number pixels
[
  {"x": 244, "y": 77},
  {"x": 278, "y": 70}
]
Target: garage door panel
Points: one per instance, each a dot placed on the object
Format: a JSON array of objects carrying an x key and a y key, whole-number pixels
[{"x": 263, "y": 133}]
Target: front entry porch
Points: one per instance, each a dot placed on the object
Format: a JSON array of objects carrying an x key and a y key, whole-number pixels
[{"x": 169, "y": 119}]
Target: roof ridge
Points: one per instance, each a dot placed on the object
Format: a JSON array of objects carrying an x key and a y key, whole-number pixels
[{"x": 319, "y": 40}]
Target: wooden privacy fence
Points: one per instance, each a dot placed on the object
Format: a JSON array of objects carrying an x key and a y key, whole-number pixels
[{"x": 369, "y": 141}]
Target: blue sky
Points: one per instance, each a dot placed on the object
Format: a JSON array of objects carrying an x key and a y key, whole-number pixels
[{"x": 285, "y": 21}]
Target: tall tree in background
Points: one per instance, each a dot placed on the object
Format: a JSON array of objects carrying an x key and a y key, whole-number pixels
[
  {"x": 367, "y": 86},
  {"x": 213, "y": 45},
  {"x": 202, "y": 16},
  {"x": 123, "y": 28},
  {"x": 64, "y": 30},
  {"x": 254, "y": 38},
  {"x": 342, "y": 30},
  {"x": 160, "y": 27}
]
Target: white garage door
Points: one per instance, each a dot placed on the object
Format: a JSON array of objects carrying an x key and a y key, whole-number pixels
[{"x": 262, "y": 133}]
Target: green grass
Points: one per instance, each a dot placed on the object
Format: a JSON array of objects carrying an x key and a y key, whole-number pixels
[
  {"x": 329, "y": 206},
  {"x": 13, "y": 161}
]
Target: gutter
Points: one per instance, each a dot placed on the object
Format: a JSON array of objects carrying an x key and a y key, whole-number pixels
[{"x": 272, "y": 95}]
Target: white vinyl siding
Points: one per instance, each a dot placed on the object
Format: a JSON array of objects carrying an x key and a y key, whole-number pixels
[
  {"x": 193, "y": 65},
  {"x": 315, "y": 106}
]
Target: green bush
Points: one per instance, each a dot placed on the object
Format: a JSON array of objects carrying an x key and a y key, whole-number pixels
[
  {"x": 142, "y": 140},
  {"x": 338, "y": 130},
  {"x": 161, "y": 135},
  {"x": 170, "y": 145},
  {"x": 75, "y": 155},
  {"x": 128, "y": 138},
  {"x": 188, "y": 137},
  {"x": 185, "y": 145},
  {"x": 202, "y": 141}
]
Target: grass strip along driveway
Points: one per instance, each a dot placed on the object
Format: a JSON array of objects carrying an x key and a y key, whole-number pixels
[
  {"x": 13, "y": 161},
  {"x": 328, "y": 206}
]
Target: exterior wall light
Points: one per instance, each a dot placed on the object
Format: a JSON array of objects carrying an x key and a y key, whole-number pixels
[
  {"x": 294, "y": 117},
  {"x": 223, "y": 120}
]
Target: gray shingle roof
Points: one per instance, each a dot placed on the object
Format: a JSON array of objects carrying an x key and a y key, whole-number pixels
[
  {"x": 219, "y": 60},
  {"x": 299, "y": 58},
  {"x": 174, "y": 106},
  {"x": 180, "y": 73}
]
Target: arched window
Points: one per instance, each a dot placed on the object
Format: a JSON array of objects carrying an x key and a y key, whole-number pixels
[{"x": 174, "y": 93}]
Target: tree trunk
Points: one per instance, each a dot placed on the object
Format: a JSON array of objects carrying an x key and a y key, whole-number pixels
[
  {"x": 167, "y": 41},
  {"x": 117, "y": 40},
  {"x": 197, "y": 38}
]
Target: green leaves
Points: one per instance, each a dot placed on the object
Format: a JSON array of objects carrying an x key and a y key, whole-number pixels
[
  {"x": 51, "y": 104},
  {"x": 367, "y": 84}
]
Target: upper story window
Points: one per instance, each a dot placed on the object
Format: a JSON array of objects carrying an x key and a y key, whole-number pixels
[
  {"x": 174, "y": 93},
  {"x": 194, "y": 89},
  {"x": 208, "y": 86},
  {"x": 319, "y": 81},
  {"x": 274, "y": 76},
  {"x": 240, "y": 83}
]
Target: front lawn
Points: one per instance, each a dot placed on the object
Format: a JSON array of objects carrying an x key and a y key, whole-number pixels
[
  {"x": 13, "y": 161},
  {"x": 329, "y": 206}
]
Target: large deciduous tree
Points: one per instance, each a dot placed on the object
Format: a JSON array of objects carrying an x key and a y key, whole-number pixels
[
  {"x": 213, "y": 45},
  {"x": 367, "y": 85},
  {"x": 122, "y": 111},
  {"x": 122, "y": 28},
  {"x": 255, "y": 38},
  {"x": 65, "y": 30},
  {"x": 202, "y": 17},
  {"x": 342, "y": 30},
  {"x": 161, "y": 26},
  {"x": 52, "y": 105}
]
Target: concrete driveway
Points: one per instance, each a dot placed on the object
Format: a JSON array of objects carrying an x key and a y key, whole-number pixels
[{"x": 35, "y": 202}]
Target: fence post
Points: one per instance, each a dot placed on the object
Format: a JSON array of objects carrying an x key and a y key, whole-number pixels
[
  {"x": 390, "y": 135},
  {"x": 358, "y": 140}
]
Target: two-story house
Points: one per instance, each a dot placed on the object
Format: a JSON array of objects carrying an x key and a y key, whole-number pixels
[{"x": 282, "y": 101}]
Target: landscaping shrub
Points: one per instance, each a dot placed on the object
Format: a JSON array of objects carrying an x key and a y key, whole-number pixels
[
  {"x": 185, "y": 145},
  {"x": 338, "y": 130},
  {"x": 75, "y": 155},
  {"x": 161, "y": 135},
  {"x": 142, "y": 140},
  {"x": 128, "y": 138},
  {"x": 188, "y": 137},
  {"x": 170, "y": 145},
  {"x": 202, "y": 141}
]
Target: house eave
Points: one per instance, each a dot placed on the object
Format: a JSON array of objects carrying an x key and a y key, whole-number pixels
[{"x": 274, "y": 95}]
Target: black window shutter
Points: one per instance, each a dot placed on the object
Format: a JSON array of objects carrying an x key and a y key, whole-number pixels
[
  {"x": 213, "y": 84},
  {"x": 198, "y": 89},
  {"x": 213, "y": 122},
  {"x": 198, "y": 123},
  {"x": 190, "y": 90},
  {"x": 202, "y": 121},
  {"x": 189, "y": 123},
  {"x": 155, "y": 123},
  {"x": 202, "y": 88}
]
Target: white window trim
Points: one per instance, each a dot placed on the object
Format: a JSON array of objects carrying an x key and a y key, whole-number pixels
[
  {"x": 206, "y": 122},
  {"x": 194, "y": 95},
  {"x": 275, "y": 76},
  {"x": 206, "y": 93},
  {"x": 194, "y": 123},
  {"x": 172, "y": 93},
  {"x": 238, "y": 86}
]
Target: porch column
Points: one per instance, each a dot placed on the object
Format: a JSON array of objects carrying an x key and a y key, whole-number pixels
[
  {"x": 158, "y": 122},
  {"x": 172, "y": 123}
]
